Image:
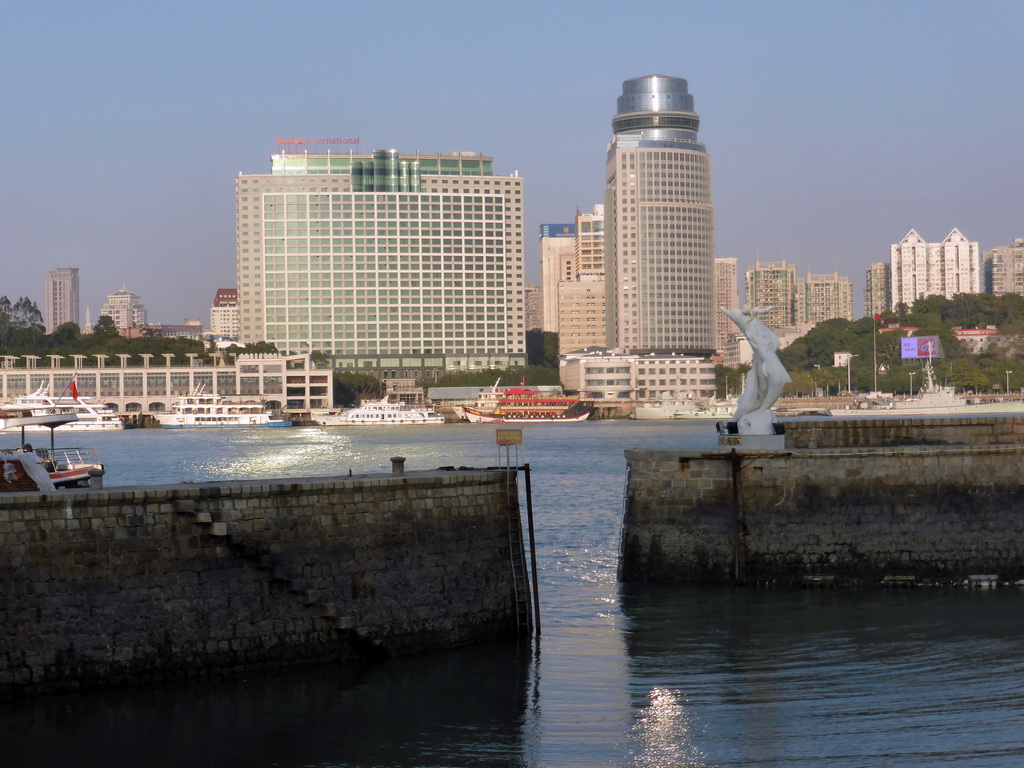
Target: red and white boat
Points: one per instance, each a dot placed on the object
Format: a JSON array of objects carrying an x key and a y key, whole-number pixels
[
  {"x": 44, "y": 469},
  {"x": 521, "y": 405}
]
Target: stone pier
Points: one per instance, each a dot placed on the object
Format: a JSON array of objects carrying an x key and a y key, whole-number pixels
[
  {"x": 134, "y": 584},
  {"x": 868, "y": 501}
]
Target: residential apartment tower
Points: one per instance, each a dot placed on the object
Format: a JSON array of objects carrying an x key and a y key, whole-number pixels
[
  {"x": 61, "y": 298},
  {"x": 726, "y": 295},
  {"x": 125, "y": 308},
  {"x": 1003, "y": 269},
  {"x": 921, "y": 269}
]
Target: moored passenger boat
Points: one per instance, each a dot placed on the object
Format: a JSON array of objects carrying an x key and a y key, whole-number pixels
[
  {"x": 379, "y": 413},
  {"x": 202, "y": 411},
  {"x": 686, "y": 409},
  {"x": 525, "y": 406},
  {"x": 91, "y": 416}
]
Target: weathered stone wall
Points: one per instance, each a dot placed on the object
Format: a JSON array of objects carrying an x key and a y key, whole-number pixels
[
  {"x": 949, "y": 430},
  {"x": 918, "y": 513},
  {"x": 100, "y": 587}
]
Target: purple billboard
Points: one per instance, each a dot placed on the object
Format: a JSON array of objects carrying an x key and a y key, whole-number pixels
[{"x": 920, "y": 346}]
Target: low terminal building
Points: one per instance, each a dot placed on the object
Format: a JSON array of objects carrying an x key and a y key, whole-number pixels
[
  {"x": 608, "y": 376},
  {"x": 146, "y": 384}
]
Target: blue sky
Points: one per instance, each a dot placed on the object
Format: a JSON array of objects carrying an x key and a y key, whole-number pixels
[{"x": 833, "y": 127}]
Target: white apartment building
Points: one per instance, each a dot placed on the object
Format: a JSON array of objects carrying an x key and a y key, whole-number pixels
[
  {"x": 921, "y": 269},
  {"x": 399, "y": 265},
  {"x": 125, "y": 309},
  {"x": 224, "y": 317}
]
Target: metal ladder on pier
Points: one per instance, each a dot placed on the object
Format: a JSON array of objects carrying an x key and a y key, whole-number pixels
[{"x": 517, "y": 554}]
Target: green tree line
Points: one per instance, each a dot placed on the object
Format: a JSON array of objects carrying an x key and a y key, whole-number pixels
[
  {"x": 22, "y": 332},
  {"x": 809, "y": 359}
]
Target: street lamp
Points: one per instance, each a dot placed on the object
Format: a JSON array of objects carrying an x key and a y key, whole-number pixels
[
  {"x": 849, "y": 362},
  {"x": 912, "y": 383},
  {"x": 1008, "y": 383}
]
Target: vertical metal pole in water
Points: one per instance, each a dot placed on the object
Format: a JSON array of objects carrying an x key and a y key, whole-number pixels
[
  {"x": 533, "y": 549},
  {"x": 737, "y": 527}
]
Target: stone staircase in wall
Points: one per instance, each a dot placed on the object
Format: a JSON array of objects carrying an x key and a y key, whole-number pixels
[{"x": 276, "y": 569}]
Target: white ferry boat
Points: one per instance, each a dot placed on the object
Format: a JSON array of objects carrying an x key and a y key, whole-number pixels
[
  {"x": 91, "y": 415},
  {"x": 201, "y": 410},
  {"x": 379, "y": 413},
  {"x": 685, "y": 409}
]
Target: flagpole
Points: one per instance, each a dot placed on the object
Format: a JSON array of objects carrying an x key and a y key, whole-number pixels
[
  {"x": 74, "y": 391},
  {"x": 874, "y": 353}
]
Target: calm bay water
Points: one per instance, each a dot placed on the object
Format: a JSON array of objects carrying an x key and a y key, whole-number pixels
[{"x": 630, "y": 675}]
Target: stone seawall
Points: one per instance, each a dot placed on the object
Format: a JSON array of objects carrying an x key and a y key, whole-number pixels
[
  {"x": 884, "y": 510},
  {"x": 849, "y": 432},
  {"x": 156, "y": 583}
]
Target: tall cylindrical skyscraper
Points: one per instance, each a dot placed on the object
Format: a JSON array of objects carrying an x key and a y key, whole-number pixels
[{"x": 659, "y": 222}]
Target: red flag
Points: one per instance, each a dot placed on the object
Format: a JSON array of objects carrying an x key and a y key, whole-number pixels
[
  {"x": 878, "y": 318},
  {"x": 74, "y": 388}
]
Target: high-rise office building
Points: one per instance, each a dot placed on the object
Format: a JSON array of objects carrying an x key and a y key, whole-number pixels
[
  {"x": 659, "y": 222},
  {"x": 581, "y": 295},
  {"x": 771, "y": 285},
  {"x": 588, "y": 253},
  {"x": 1002, "y": 269},
  {"x": 921, "y": 269},
  {"x": 557, "y": 257},
  {"x": 534, "y": 306},
  {"x": 572, "y": 267},
  {"x": 401, "y": 265},
  {"x": 727, "y": 294},
  {"x": 61, "y": 298},
  {"x": 877, "y": 287},
  {"x": 125, "y": 309},
  {"x": 581, "y": 313}
]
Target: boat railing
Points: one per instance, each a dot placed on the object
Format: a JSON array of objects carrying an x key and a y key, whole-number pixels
[{"x": 64, "y": 458}]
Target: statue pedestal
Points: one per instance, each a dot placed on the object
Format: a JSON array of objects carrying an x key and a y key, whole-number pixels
[{"x": 729, "y": 435}]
